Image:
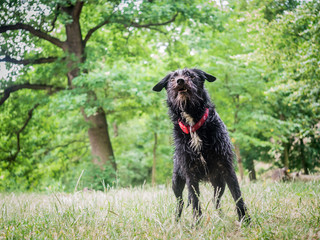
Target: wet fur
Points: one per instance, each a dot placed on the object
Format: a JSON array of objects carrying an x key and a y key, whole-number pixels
[{"x": 205, "y": 155}]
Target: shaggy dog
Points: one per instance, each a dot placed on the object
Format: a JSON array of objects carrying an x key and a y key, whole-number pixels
[{"x": 203, "y": 150}]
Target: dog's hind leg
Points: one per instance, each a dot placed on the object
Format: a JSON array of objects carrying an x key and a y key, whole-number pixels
[
  {"x": 219, "y": 186},
  {"x": 233, "y": 184},
  {"x": 178, "y": 184}
]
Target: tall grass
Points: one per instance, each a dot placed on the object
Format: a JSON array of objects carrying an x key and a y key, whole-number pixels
[{"x": 278, "y": 211}]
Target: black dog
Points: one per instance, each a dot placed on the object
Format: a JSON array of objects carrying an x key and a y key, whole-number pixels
[{"x": 203, "y": 150}]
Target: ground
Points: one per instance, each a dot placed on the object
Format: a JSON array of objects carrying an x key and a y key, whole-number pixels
[{"x": 278, "y": 210}]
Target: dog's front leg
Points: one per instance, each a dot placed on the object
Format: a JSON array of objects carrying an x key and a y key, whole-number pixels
[
  {"x": 193, "y": 197},
  {"x": 178, "y": 184}
]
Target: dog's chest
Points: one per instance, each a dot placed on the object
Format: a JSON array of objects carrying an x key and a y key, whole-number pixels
[{"x": 195, "y": 140}]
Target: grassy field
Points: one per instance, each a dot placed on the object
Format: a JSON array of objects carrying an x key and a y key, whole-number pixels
[{"x": 278, "y": 211}]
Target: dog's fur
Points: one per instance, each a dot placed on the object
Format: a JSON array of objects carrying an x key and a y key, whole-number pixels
[{"x": 205, "y": 154}]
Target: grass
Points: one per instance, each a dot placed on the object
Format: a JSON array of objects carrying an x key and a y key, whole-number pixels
[{"x": 278, "y": 211}]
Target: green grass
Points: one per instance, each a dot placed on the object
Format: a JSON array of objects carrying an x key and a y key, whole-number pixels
[{"x": 278, "y": 211}]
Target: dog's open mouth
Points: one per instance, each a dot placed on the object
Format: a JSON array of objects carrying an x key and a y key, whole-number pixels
[{"x": 183, "y": 90}]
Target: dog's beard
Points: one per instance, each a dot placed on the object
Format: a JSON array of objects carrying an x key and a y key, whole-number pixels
[
  {"x": 191, "y": 98},
  {"x": 182, "y": 101}
]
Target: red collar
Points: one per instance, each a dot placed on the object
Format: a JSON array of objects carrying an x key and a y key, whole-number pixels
[{"x": 186, "y": 128}]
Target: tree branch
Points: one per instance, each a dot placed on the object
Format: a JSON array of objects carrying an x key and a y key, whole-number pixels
[
  {"x": 92, "y": 30},
  {"x": 28, "y": 61},
  {"x": 63, "y": 145},
  {"x": 56, "y": 14},
  {"x": 33, "y": 31},
  {"x": 14, "y": 88},
  {"x": 12, "y": 157},
  {"x": 77, "y": 9},
  {"x": 132, "y": 24},
  {"x": 157, "y": 29},
  {"x": 151, "y": 25}
]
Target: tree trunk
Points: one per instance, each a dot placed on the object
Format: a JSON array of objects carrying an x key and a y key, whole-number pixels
[
  {"x": 303, "y": 159},
  {"x": 286, "y": 156},
  {"x": 240, "y": 165},
  {"x": 236, "y": 100},
  {"x": 115, "y": 129},
  {"x": 252, "y": 171},
  {"x": 101, "y": 147},
  {"x": 154, "y": 159},
  {"x": 74, "y": 44}
]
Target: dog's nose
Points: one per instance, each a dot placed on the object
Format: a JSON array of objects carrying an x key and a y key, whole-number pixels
[{"x": 180, "y": 81}]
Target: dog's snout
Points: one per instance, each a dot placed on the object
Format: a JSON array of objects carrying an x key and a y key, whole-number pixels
[{"x": 180, "y": 81}]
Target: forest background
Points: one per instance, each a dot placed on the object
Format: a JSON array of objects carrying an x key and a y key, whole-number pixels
[{"x": 76, "y": 105}]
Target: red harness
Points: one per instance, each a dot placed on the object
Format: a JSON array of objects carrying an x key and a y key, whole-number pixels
[{"x": 186, "y": 128}]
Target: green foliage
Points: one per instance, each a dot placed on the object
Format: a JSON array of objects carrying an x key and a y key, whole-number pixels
[
  {"x": 290, "y": 47},
  {"x": 265, "y": 55}
]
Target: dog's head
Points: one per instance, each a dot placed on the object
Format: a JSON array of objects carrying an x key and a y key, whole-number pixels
[{"x": 184, "y": 86}]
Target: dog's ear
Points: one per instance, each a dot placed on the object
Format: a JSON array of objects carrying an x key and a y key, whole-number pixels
[
  {"x": 162, "y": 84},
  {"x": 204, "y": 75}
]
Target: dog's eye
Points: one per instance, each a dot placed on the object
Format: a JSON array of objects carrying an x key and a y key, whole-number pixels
[
  {"x": 190, "y": 75},
  {"x": 172, "y": 79}
]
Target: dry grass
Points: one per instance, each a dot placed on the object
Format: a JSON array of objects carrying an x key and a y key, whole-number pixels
[{"x": 278, "y": 211}]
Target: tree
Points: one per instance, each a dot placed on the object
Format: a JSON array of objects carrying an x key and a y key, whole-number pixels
[
  {"x": 291, "y": 53},
  {"x": 42, "y": 26}
]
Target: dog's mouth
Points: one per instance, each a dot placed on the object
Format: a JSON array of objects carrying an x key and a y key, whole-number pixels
[{"x": 183, "y": 90}]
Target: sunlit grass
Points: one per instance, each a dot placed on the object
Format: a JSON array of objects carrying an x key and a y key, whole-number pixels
[{"x": 278, "y": 211}]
